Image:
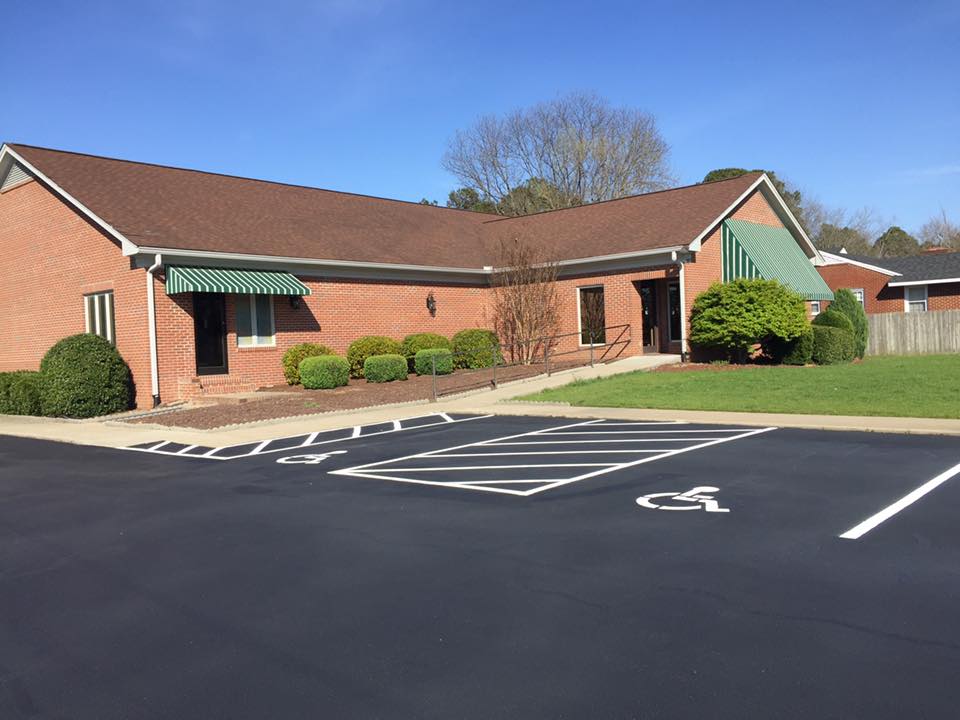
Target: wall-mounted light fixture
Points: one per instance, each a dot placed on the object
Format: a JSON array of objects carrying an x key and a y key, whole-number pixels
[
  {"x": 294, "y": 301},
  {"x": 431, "y": 303}
]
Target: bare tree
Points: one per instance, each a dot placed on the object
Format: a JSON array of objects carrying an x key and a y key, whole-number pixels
[
  {"x": 525, "y": 299},
  {"x": 940, "y": 232},
  {"x": 578, "y": 147}
]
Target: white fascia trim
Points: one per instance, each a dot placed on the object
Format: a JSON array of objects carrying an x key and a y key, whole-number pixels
[
  {"x": 171, "y": 253},
  {"x": 128, "y": 247},
  {"x": 282, "y": 260},
  {"x": 671, "y": 251},
  {"x": 763, "y": 181},
  {"x": 938, "y": 281},
  {"x": 837, "y": 259}
]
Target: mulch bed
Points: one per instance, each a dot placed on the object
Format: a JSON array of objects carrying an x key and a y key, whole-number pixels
[{"x": 358, "y": 394}]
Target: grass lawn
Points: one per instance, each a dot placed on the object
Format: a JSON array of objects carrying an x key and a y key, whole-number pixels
[{"x": 914, "y": 386}]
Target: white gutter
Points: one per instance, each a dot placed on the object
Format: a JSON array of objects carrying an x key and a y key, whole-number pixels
[
  {"x": 152, "y": 330},
  {"x": 909, "y": 283}
]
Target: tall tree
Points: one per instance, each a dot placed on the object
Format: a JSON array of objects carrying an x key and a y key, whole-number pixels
[
  {"x": 896, "y": 242},
  {"x": 791, "y": 196},
  {"x": 834, "y": 239},
  {"x": 940, "y": 231},
  {"x": 581, "y": 147},
  {"x": 469, "y": 199}
]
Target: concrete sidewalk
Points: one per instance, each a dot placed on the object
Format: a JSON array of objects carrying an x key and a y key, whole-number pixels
[{"x": 114, "y": 433}]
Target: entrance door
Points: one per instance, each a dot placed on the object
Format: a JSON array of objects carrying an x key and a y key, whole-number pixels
[
  {"x": 651, "y": 316},
  {"x": 210, "y": 333}
]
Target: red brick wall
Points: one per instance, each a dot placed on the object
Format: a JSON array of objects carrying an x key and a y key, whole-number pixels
[
  {"x": 50, "y": 258},
  {"x": 877, "y": 297},
  {"x": 336, "y": 313},
  {"x": 945, "y": 296}
]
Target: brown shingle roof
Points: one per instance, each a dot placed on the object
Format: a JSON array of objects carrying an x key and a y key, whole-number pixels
[{"x": 158, "y": 206}]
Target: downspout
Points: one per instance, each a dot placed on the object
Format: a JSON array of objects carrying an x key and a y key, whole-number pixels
[
  {"x": 152, "y": 330},
  {"x": 683, "y": 312}
]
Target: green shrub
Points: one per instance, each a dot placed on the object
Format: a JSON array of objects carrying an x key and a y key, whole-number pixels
[
  {"x": 296, "y": 355},
  {"x": 737, "y": 315},
  {"x": 362, "y": 348},
  {"x": 798, "y": 351},
  {"x": 847, "y": 303},
  {"x": 832, "y": 345},
  {"x": 24, "y": 394},
  {"x": 412, "y": 344},
  {"x": 423, "y": 362},
  {"x": 323, "y": 372},
  {"x": 20, "y": 393},
  {"x": 475, "y": 348},
  {"x": 84, "y": 376},
  {"x": 835, "y": 319},
  {"x": 385, "y": 368}
]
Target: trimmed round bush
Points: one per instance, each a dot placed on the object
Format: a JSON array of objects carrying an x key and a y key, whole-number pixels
[
  {"x": 423, "y": 362},
  {"x": 733, "y": 317},
  {"x": 385, "y": 368},
  {"x": 798, "y": 351},
  {"x": 24, "y": 393},
  {"x": 362, "y": 348},
  {"x": 835, "y": 319},
  {"x": 324, "y": 372},
  {"x": 296, "y": 355},
  {"x": 832, "y": 345},
  {"x": 84, "y": 376},
  {"x": 475, "y": 348},
  {"x": 412, "y": 344},
  {"x": 846, "y": 302},
  {"x": 20, "y": 393}
]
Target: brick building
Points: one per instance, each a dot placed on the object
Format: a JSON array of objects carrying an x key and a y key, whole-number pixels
[
  {"x": 204, "y": 280},
  {"x": 929, "y": 281}
]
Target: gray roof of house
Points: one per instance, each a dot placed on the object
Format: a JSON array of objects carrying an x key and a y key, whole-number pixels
[{"x": 930, "y": 266}]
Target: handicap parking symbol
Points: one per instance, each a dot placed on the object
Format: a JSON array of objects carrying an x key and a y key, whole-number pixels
[
  {"x": 697, "y": 499},
  {"x": 313, "y": 459}
]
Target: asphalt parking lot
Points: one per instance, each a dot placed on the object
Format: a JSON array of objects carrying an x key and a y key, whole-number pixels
[{"x": 484, "y": 567}]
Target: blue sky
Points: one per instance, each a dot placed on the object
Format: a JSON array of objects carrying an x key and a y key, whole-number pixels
[{"x": 857, "y": 104}]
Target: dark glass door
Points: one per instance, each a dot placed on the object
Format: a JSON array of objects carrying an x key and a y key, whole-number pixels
[
  {"x": 210, "y": 333},
  {"x": 651, "y": 324}
]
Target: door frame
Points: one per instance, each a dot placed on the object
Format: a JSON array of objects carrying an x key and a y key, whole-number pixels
[
  {"x": 657, "y": 336},
  {"x": 211, "y": 369}
]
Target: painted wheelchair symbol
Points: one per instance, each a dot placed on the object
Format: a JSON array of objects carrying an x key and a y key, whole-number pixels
[
  {"x": 695, "y": 499},
  {"x": 314, "y": 459}
]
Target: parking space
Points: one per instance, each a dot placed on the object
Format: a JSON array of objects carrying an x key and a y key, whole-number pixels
[{"x": 483, "y": 567}]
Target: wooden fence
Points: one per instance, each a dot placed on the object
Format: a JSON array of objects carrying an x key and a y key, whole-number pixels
[{"x": 914, "y": 333}]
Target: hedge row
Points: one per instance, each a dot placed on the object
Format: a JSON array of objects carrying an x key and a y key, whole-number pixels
[
  {"x": 470, "y": 349},
  {"x": 385, "y": 368},
  {"x": 81, "y": 376}
]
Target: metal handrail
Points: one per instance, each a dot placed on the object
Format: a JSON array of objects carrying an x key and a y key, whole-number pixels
[{"x": 622, "y": 338}]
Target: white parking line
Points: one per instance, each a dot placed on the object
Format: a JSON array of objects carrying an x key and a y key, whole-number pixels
[
  {"x": 264, "y": 447},
  {"x": 857, "y": 532},
  {"x": 385, "y": 469}
]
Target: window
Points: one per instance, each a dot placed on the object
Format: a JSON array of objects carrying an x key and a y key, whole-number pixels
[
  {"x": 814, "y": 307},
  {"x": 673, "y": 307},
  {"x": 858, "y": 294},
  {"x": 915, "y": 298},
  {"x": 98, "y": 314},
  {"x": 255, "y": 320},
  {"x": 592, "y": 316}
]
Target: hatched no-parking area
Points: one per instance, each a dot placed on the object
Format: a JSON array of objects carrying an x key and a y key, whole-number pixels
[{"x": 533, "y": 462}]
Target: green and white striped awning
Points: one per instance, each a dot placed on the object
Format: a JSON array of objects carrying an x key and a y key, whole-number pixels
[
  {"x": 181, "y": 279},
  {"x": 751, "y": 250}
]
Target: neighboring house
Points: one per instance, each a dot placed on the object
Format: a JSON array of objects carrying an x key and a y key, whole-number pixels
[
  {"x": 918, "y": 283},
  {"x": 203, "y": 280}
]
